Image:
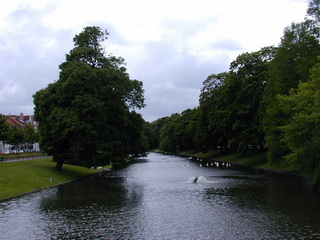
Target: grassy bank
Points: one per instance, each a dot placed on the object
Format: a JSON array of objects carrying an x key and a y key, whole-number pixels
[
  {"x": 24, "y": 176},
  {"x": 24, "y": 154},
  {"x": 256, "y": 159}
]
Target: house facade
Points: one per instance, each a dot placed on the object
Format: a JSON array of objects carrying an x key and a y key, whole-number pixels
[{"x": 19, "y": 121}]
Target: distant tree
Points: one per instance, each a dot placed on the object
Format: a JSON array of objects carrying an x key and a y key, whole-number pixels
[
  {"x": 177, "y": 132},
  {"x": 3, "y": 128},
  {"x": 202, "y": 138},
  {"x": 31, "y": 135},
  {"x": 87, "y": 117},
  {"x": 15, "y": 135},
  {"x": 184, "y": 130},
  {"x": 153, "y": 132},
  {"x": 169, "y": 141}
]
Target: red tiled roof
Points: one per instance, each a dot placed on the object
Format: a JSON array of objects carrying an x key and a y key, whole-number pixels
[{"x": 12, "y": 120}]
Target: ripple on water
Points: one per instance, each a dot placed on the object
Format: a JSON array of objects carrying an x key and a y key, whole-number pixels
[{"x": 153, "y": 199}]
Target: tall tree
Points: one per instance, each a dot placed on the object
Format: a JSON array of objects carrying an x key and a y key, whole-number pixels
[
  {"x": 295, "y": 56},
  {"x": 248, "y": 74},
  {"x": 231, "y": 103},
  {"x": 209, "y": 122},
  {"x": 87, "y": 117},
  {"x": 301, "y": 133},
  {"x": 314, "y": 11}
]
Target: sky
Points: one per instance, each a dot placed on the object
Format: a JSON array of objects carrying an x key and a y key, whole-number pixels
[{"x": 172, "y": 46}]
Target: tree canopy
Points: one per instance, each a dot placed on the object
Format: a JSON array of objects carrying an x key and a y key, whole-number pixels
[
  {"x": 268, "y": 100},
  {"x": 87, "y": 117},
  {"x": 302, "y": 133}
]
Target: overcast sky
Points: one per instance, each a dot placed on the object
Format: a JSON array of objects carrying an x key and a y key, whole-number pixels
[{"x": 169, "y": 45}]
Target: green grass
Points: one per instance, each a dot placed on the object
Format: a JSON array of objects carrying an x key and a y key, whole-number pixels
[
  {"x": 22, "y": 155},
  {"x": 257, "y": 159},
  {"x": 208, "y": 154},
  {"x": 24, "y": 176},
  {"x": 254, "y": 159}
]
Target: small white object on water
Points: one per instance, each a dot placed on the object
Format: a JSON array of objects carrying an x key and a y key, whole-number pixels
[{"x": 200, "y": 179}]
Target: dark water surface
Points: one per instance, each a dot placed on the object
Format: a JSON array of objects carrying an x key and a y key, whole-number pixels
[{"x": 154, "y": 199}]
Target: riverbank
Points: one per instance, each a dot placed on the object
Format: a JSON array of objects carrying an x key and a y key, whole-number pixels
[
  {"x": 22, "y": 177},
  {"x": 255, "y": 162}
]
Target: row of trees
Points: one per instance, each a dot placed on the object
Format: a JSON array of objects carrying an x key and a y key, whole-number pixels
[
  {"x": 268, "y": 99},
  {"x": 14, "y": 135}
]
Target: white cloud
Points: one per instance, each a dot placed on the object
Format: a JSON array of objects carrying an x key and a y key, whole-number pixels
[{"x": 171, "y": 45}]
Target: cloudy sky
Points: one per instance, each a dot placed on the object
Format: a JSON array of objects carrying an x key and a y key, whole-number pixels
[{"x": 170, "y": 45}]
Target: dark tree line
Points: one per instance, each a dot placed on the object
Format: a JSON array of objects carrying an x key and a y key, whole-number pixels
[{"x": 268, "y": 100}]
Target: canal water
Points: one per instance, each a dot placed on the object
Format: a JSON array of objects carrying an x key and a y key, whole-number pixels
[{"x": 155, "y": 198}]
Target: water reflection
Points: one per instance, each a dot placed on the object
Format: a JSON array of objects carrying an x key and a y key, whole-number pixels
[
  {"x": 153, "y": 199},
  {"x": 273, "y": 207},
  {"x": 93, "y": 191},
  {"x": 94, "y": 208}
]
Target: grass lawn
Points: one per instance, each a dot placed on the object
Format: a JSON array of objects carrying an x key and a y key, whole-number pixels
[
  {"x": 251, "y": 159},
  {"x": 23, "y": 176},
  {"x": 257, "y": 159}
]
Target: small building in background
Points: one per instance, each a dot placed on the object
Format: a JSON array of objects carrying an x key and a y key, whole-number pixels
[{"x": 19, "y": 121}]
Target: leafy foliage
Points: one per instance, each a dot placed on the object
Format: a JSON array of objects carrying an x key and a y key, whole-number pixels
[
  {"x": 302, "y": 133},
  {"x": 294, "y": 58},
  {"x": 87, "y": 117},
  {"x": 268, "y": 99},
  {"x": 3, "y": 128}
]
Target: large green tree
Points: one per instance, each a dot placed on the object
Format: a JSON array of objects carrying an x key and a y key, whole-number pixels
[
  {"x": 207, "y": 134},
  {"x": 295, "y": 56},
  {"x": 231, "y": 103},
  {"x": 248, "y": 74},
  {"x": 301, "y": 133},
  {"x": 87, "y": 116}
]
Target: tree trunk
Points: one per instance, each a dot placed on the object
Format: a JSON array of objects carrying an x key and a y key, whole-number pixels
[
  {"x": 59, "y": 165},
  {"x": 316, "y": 184},
  {"x": 59, "y": 160}
]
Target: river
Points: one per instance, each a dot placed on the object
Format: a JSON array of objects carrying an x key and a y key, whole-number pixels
[{"x": 156, "y": 199}]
